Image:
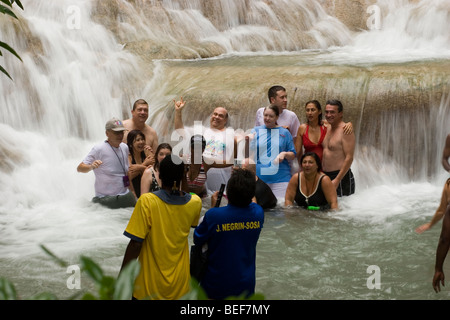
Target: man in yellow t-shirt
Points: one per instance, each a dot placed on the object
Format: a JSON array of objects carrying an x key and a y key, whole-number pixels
[{"x": 158, "y": 230}]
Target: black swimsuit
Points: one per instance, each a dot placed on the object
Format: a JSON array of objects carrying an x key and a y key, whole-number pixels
[{"x": 317, "y": 199}]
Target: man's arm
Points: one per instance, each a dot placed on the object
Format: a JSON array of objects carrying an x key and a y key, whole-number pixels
[
  {"x": 348, "y": 147},
  {"x": 446, "y": 154},
  {"x": 85, "y": 168},
  {"x": 438, "y": 214},
  {"x": 132, "y": 252},
  {"x": 441, "y": 252},
  {"x": 179, "y": 105}
]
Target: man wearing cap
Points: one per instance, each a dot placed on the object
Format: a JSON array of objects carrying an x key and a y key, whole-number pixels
[{"x": 109, "y": 160}]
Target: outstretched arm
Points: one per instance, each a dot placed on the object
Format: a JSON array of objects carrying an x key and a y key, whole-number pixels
[
  {"x": 179, "y": 105},
  {"x": 438, "y": 214},
  {"x": 441, "y": 252}
]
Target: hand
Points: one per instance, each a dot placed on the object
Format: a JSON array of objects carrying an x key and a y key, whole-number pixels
[
  {"x": 279, "y": 158},
  {"x": 136, "y": 169},
  {"x": 96, "y": 164},
  {"x": 348, "y": 128},
  {"x": 438, "y": 277},
  {"x": 148, "y": 149},
  {"x": 179, "y": 104},
  {"x": 423, "y": 228},
  {"x": 214, "y": 199}
]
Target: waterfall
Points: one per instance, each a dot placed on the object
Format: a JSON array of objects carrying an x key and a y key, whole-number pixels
[
  {"x": 73, "y": 77},
  {"x": 401, "y": 31},
  {"x": 85, "y": 61}
]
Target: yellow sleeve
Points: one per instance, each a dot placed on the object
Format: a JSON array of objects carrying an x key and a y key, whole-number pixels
[{"x": 140, "y": 221}]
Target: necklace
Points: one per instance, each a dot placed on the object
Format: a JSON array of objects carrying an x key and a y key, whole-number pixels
[{"x": 122, "y": 164}]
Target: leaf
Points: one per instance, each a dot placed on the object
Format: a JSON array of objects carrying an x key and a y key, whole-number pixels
[
  {"x": 43, "y": 296},
  {"x": 4, "y": 71},
  {"x": 18, "y": 3},
  {"x": 58, "y": 260},
  {"x": 125, "y": 283},
  {"x": 7, "y": 290},
  {"x": 7, "y": 47},
  {"x": 7, "y": 2},
  {"x": 7, "y": 11},
  {"x": 92, "y": 269}
]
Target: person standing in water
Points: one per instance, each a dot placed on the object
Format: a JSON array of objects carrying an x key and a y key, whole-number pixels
[
  {"x": 220, "y": 143},
  {"x": 310, "y": 188},
  {"x": 139, "y": 115},
  {"x": 138, "y": 159},
  {"x": 311, "y": 134},
  {"x": 338, "y": 150},
  {"x": 109, "y": 161},
  {"x": 158, "y": 231}
]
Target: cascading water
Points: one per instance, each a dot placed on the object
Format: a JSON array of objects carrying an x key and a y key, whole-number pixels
[{"x": 75, "y": 77}]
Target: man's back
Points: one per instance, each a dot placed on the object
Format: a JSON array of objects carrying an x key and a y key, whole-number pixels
[
  {"x": 163, "y": 223},
  {"x": 232, "y": 234}
]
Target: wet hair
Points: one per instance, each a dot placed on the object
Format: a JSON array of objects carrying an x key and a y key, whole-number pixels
[
  {"x": 315, "y": 156},
  {"x": 138, "y": 102},
  {"x": 132, "y": 135},
  {"x": 159, "y": 148},
  {"x": 318, "y": 106},
  {"x": 336, "y": 103},
  {"x": 272, "y": 93},
  {"x": 171, "y": 171},
  {"x": 241, "y": 187}
]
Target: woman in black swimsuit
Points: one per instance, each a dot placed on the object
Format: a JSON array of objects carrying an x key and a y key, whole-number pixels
[{"x": 311, "y": 188}]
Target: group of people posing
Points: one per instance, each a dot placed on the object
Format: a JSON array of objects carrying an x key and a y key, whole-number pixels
[
  {"x": 127, "y": 163},
  {"x": 133, "y": 170}
]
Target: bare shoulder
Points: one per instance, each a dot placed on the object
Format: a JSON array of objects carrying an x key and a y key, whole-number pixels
[
  {"x": 302, "y": 128},
  {"x": 127, "y": 123}
]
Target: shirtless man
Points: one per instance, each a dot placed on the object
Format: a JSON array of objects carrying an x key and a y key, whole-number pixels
[
  {"x": 139, "y": 115},
  {"x": 338, "y": 150}
]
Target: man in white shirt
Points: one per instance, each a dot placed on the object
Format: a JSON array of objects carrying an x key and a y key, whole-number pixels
[
  {"x": 288, "y": 119},
  {"x": 109, "y": 161},
  {"x": 220, "y": 144}
]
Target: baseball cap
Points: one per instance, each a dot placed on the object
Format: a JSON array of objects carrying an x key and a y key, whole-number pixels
[{"x": 115, "y": 125}]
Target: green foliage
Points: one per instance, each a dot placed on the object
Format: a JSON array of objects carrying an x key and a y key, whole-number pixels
[
  {"x": 5, "y": 8},
  {"x": 108, "y": 288}
]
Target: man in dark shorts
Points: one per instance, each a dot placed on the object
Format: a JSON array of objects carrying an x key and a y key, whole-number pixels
[
  {"x": 346, "y": 186},
  {"x": 338, "y": 150}
]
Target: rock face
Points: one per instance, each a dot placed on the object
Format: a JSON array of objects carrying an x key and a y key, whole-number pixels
[{"x": 241, "y": 84}]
